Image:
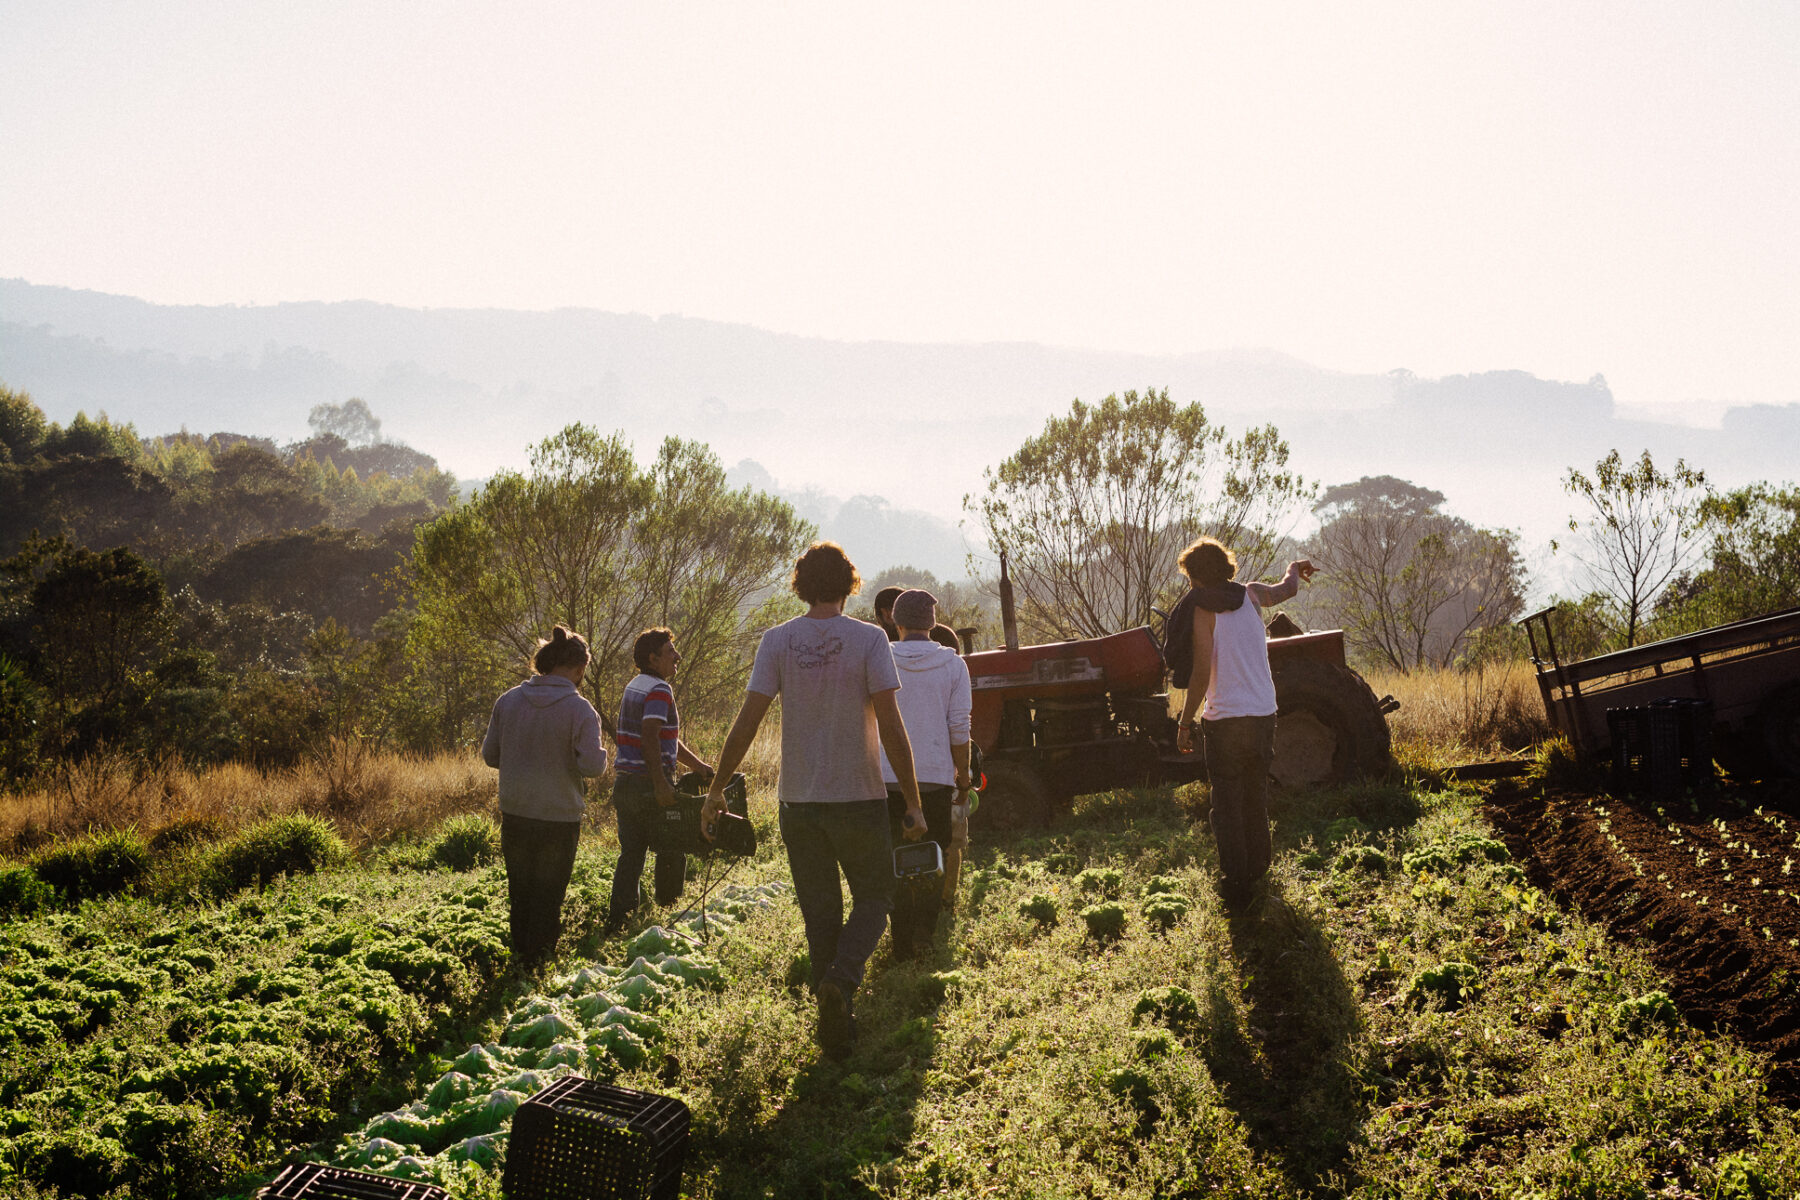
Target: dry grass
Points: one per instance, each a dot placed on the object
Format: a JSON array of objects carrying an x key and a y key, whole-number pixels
[
  {"x": 1448, "y": 717},
  {"x": 370, "y": 795}
]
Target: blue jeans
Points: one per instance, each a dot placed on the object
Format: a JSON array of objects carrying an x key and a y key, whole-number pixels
[
  {"x": 1238, "y": 753},
  {"x": 821, "y": 839},
  {"x": 634, "y": 801}
]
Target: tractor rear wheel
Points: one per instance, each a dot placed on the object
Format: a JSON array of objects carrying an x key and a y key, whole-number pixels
[
  {"x": 1330, "y": 726},
  {"x": 1014, "y": 799}
]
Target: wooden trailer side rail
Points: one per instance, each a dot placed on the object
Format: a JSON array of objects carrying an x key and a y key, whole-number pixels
[{"x": 1732, "y": 666}]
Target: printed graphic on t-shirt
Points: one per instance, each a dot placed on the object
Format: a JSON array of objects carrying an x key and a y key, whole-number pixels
[{"x": 809, "y": 656}]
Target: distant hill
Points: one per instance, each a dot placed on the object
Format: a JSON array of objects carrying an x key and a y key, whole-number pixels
[{"x": 889, "y": 428}]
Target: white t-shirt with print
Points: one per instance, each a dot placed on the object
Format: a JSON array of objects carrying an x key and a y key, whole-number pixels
[{"x": 825, "y": 673}]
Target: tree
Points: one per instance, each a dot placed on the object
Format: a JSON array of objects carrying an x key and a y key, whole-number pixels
[
  {"x": 1641, "y": 531},
  {"x": 350, "y": 420},
  {"x": 1752, "y": 566},
  {"x": 22, "y": 426},
  {"x": 701, "y": 552},
  {"x": 589, "y": 540},
  {"x": 98, "y": 618},
  {"x": 1409, "y": 583},
  {"x": 1093, "y": 511}
]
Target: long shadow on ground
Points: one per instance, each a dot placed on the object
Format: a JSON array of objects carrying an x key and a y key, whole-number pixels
[{"x": 1287, "y": 1072}]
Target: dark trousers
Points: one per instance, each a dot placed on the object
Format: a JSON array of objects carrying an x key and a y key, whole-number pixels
[
  {"x": 634, "y": 800},
  {"x": 821, "y": 839},
  {"x": 540, "y": 857},
  {"x": 918, "y": 900},
  {"x": 1238, "y": 753}
]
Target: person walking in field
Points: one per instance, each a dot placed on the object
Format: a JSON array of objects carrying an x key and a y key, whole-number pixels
[
  {"x": 837, "y": 683},
  {"x": 935, "y": 705},
  {"x": 884, "y": 611},
  {"x": 650, "y": 748},
  {"x": 1230, "y": 675},
  {"x": 544, "y": 737}
]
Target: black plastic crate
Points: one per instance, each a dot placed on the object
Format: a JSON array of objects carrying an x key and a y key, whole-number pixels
[
  {"x": 581, "y": 1140},
  {"x": 1661, "y": 748},
  {"x": 313, "y": 1181}
]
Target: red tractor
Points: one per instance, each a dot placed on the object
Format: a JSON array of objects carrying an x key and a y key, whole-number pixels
[{"x": 1064, "y": 719}]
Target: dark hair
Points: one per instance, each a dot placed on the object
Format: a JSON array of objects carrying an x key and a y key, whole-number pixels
[
  {"x": 650, "y": 643},
  {"x": 563, "y": 649},
  {"x": 943, "y": 635},
  {"x": 825, "y": 574},
  {"x": 886, "y": 596},
  {"x": 1208, "y": 561}
]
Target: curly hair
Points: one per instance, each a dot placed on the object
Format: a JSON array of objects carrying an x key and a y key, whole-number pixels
[
  {"x": 1208, "y": 561},
  {"x": 825, "y": 574}
]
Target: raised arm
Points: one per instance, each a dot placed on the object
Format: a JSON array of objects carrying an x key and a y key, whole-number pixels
[{"x": 1274, "y": 593}]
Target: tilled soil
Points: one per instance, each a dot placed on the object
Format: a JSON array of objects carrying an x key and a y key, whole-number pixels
[{"x": 1707, "y": 885}]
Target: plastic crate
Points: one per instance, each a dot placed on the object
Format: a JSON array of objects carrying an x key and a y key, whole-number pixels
[
  {"x": 1662, "y": 748},
  {"x": 313, "y": 1181},
  {"x": 581, "y": 1140}
]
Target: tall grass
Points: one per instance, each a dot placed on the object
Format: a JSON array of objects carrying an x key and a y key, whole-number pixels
[
  {"x": 370, "y": 795},
  {"x": 1450, "y": 716},
  {"x": 387, "y": 794}
]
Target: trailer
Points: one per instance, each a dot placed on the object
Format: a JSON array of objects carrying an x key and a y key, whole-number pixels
[{"x": 1747, "y": 671}]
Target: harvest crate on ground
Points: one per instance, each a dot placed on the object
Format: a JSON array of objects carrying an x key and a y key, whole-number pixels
[
  {"x": 582, "y": 1140},
  {"x": 311, "y": 1181}
]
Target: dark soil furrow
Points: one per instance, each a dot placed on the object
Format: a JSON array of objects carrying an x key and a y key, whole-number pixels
[{"x": 1706, "y": 932}]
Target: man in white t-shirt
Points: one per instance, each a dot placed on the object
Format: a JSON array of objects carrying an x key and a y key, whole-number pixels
[
  {"x": 839, "y": 711},
  {"x": 935, "y": 704},
  {"x": 1231, "y": 674}
]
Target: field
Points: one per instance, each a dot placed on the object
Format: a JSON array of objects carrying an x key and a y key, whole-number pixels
[
  {"x": 1445, "y": 991},
  {"x": 1706, "y": 883}
]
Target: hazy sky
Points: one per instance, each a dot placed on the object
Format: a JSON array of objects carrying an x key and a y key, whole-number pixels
[{"x": 1564, "y": 188}]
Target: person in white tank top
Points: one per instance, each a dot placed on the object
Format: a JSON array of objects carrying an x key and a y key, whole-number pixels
[{"x": 1231, "y": 678}]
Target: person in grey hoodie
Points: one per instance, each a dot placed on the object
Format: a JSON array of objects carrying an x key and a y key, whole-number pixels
[
  {"x": 934, "y": 705},
  {"x": 544, "y": 736}
]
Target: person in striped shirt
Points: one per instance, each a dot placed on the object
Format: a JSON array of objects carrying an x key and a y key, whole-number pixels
[{"x": 650, "y": 747}]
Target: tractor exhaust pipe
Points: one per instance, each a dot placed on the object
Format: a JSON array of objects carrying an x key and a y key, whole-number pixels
[{"x": 1009, "y": 615}]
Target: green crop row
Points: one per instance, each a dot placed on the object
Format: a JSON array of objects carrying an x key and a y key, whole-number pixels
[{"x": 169, "y": 1051}]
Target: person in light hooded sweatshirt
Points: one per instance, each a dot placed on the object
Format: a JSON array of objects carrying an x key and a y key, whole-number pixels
[
  {"x": 544, "y": 736},
  {"x": 934, "y": 704}
]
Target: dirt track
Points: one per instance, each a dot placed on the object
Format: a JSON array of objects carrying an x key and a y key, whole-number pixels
[{"x": 1646, "y": 883}]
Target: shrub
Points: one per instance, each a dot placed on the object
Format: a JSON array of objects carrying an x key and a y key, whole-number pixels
[
  {"x": 1151, "y": 1044},
  {"x": 22, "y": 893},
  {"x": 1442, "y": 857},
  {"x": 1452, "y": 983},
  {"x": 1362, "y": 858},
  {"x": 939, "y": 984},
  {"x": 466, "y": 842},
  {"x": 102, "y": 864},
  {"x": 1165, "y": 912},
  {"x": 1172, "y": 1007},
  {"x": 1105, "y": 881},
  {"x": 1642, "y": 1012},
  {"x": 290, "y": 845},
  {"x": 1132, "y": 1086},
  {"x": 1040, "y": 908},
  {"x": 1105, "y": 922},
  {"x": 187, "y": 829},
  {"x": 1162, "y": 885}
]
